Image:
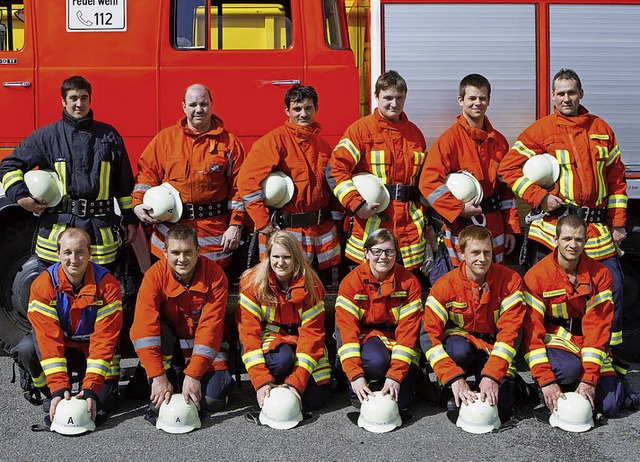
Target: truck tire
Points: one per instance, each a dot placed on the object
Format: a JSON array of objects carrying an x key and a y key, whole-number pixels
[{"x": 17, "y": 270}]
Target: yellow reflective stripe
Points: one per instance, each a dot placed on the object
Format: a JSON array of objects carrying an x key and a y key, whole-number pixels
[
  {"x": 11, "y": 178},
  {"x": 543, "y": 231},
  {"x": 53, "y": 365},
  {"x": 105, "y": 175},
  {"x": 252, "y": 358},
  {"x": 108, "y": 310},
  {"x": 566, "y": 175},
  {"x": 61, "y": 169},
  {"x": 418, "y": 160},
  {"x": 593, "y": 355},
  {"x": 616, "y": 338},
  {"x": 510, "y": 301},
  {"x": 412, "y": 307},
  {"x": 36, "y": 306},
  {"x": 561, "y": 339},
  {"x": 613, "y": 155},
  {"x": 343, "y": 188},
  {"x": 559, "y": 310},
  {"x": 312, "y": 312},
  {"x": 521, "y": 185},
  {"x": 617, "y": 201},
  {"x": 601, "y": 297},
  {"x": 349, "y": 350},
  {"x": 403, "y": 353},
  {"x": 377, "y": 165},
  {"x": 534, "y": 302},
  {"x": 436, "y": 354},
  {"x": 249, "y": 305},
  {"x": 40, "y": 381},
  {"x": 456, "y": 318},
  {"x": 522, "y": 149},
  {"x": 395, "y": 312},
  {"x": 504, "y": 351},
  {"x": 437, "y": 308},
  {"x": 306, "y": 362},
  {"x": 454, "y": 304},
  {"x": 322, "y": 371},
  {"x": 124, "y": 202},
  {"x": 97, "y": 366},
  {"x": 603, "y": 152},
  {"x": 535, "y": 357},
  {"x": 348, "y": 306},
  {"x": 351, "y": 148}
]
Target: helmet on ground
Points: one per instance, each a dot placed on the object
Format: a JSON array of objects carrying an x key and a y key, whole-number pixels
[
  {"x": 281, "y": 409},
  {"x": 478, "y": 417},
  {"x": 542, "y": 169},
  {"x": 372, "y": 189},
  {"x": 178, "y": 416},
  {"x": 72, "y": 417},
  {"x": 44, "y": 184},
  {"x": 379, "y": 414},
  {"x": 464, "y": 186},
  {"x": 165, "y": 203},
  {"x": 574, "y": 414},
  {"x": 277, "y": 189}
]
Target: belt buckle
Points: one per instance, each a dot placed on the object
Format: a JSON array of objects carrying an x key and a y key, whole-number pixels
[
  {"x": 570, "y": 325},
  {"x": 584, "y": 212},
  {"x": 83, "y": 207},
  {"x": 191, "y": 210}
]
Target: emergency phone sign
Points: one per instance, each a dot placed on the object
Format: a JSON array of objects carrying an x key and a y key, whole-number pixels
[{"x": 96, "y": 15}]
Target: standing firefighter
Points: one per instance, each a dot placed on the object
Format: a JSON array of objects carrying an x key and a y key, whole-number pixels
[{"x": 391, "y": 148}]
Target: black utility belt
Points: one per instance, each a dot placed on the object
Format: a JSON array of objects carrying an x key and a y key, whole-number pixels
[
  {"x": 485, "y": 336},
  {"x": 290, "y": 329},
  {"x": 572, "y": 325},
  {"x": 403, "y": 192},
  {"x": 491, "y": 203},
  {"x": 83, "y": 207},
  {"x": 588, "y": 214},
  {"x": 386, "y": 327},
  {"x": 300, "y": 220},
  {"x": 195, "y": 211}
]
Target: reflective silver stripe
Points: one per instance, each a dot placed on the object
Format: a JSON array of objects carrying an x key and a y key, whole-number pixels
[
  {"x": 186, "y": 343},
  {"x": 204, "y": 351},
  {"x": 146, "y": 342},
  {"x": 254, "y": 196},
  {"x": 439, "y": 191},
  {"x": 141, "y": 187}
]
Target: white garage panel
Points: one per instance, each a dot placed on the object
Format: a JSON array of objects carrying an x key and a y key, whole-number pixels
[
  {"x": 600, "y": 42},
  {"x": 429, "y": 45}
]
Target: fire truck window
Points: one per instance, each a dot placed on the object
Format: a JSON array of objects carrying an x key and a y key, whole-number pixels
[
  {"x": 11, "y": 26},
  {"x": 232, "y": 25},
  {"x": 334, "y": 24}
]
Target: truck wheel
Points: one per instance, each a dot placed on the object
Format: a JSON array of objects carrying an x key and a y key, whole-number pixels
[{"x": 17, "y": 270}]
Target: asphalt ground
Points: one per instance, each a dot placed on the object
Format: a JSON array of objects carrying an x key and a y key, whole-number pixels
[{"x": 328, "y": 435}]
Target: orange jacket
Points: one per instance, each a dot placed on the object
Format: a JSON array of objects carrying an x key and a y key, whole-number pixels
[
  {"x": 395, "y": 152},
  {"x": 462, "y": 147},
  {"x": 365, "y": 307},
  {"x": 51, "y": 339},
  {"x": 202, "y": 167},
  {"x": 549, "y": 292},
  {"x": 299, "y": 152},
  {"x": 591, "y": 174},
  {"x": 458, "y": 306},
  {"x": 195, "y": 313},
  {"x": 260, "y": 331}
]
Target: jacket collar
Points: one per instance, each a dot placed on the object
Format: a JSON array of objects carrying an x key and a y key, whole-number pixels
[
  {"x": 301, "y": 133},
  {"x": 214, "y": 130},
  {"x": 579, "y": 120},
  {"x": 477, "y": 133},
  {"x": 79, "y": 124},
  {"x": 198, "y": 283},
  {"x": 384, "y": 123},
  {"x": 88, "y": 284}
]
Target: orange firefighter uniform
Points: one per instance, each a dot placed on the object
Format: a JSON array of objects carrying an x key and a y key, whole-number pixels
[
  {"x": 479, "y": 152},
  {"x": 390, "y": 310},
  {"x": 488, "y": 316},
  {"x": 195, "y": 315},
  {"x": 293, "y": 321},
  {"x": 100, "y": 303},
  {"x": 203, "y": 167},
  {"x": 302, "y": 154},
  {"x": 394, "y": 152},
  {"x": 552, "y": 299}
]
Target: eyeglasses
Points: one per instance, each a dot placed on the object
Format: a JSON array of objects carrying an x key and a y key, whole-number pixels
[{"x": 377, "y": 252}]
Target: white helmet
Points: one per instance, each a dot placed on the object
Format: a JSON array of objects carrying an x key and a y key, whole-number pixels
[
  {"x": 178, "y": 416},
  {"x": 281, "y": 409},
  {"x": 379, "y": 414},
  {"x": 464, "y": 186},
  {"x": 478, "y": 417},
  {"x": 542, "y": 169},
  {"x": 372, "y": 189},
  {"x": 165, "y": 203},
  {"x": 574, "y": 414},
  {"x": 46, "y": 185},
  {"x": 277, "y": 189},
  {"x": 72, "y": 417}
]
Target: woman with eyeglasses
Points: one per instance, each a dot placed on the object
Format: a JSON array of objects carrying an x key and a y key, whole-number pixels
[
  {"x": 280, "y": 317},
  {"x": 378, "y": 313}
]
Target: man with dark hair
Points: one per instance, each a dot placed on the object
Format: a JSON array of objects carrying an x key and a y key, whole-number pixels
[
  {"x": 297, "y": 150},
  {"x": 568, "y": 324},
  {"x": 472, "y": 145},
  {"x": 393, "y": 149},
  {"x": 471, "y": 321},
  {"x": 201, "y": 160},
  {"x": 75, "y": 310},
  {"x": 91, "y": 162},
  {"x": 591, "y": 183},
  {"x": 178, "y": 325}
]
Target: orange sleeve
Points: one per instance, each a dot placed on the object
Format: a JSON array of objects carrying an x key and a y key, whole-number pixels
[
  {"x": 348, "y": 316},
  {"x": 237, "y": 158}
]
